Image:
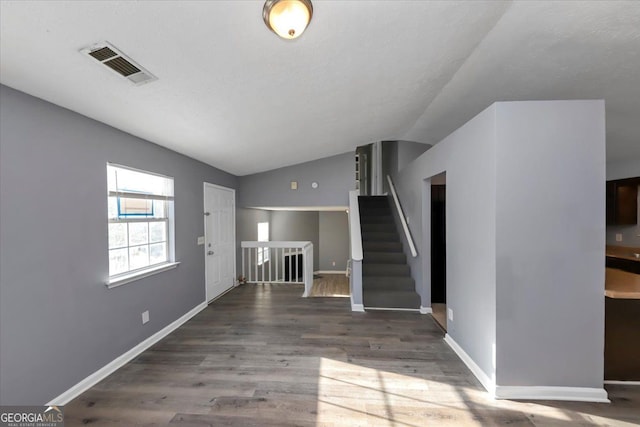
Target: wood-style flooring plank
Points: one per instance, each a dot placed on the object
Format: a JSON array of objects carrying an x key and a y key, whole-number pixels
[{"x": 263, "y": 356}]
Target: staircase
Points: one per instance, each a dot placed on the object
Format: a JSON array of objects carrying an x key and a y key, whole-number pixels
[{"x": 386, "y": 276}]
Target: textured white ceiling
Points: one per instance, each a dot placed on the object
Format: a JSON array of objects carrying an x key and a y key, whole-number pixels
[{"x": 232, "y": 94}]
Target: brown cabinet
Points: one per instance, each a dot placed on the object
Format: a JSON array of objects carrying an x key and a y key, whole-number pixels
[
  {"x": 622, "y": 201},
  {"x": 621, "y": 344}
]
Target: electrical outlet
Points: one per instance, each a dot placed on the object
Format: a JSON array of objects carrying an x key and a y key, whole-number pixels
[
  {"x": 294, "y": 185},
  {"x": 450, "y": 314},
  {"x": 618, "y": 237},
  {"x": 333, "y": 263},
  {"x": 201, "y": 240},
  {"x": 145, "y": 317}
]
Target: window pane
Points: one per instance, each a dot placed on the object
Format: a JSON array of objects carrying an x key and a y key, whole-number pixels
[
  {"x": 112, "y": 207},
  {"x": 134, "y": 242},
  {"x": 121, "y": 179},
  {"x": 159, "y": 209},
  {"x": 138, "y": 257},
  {"x": 134, "y": 207},
  {"x": 118, "y": 261},
  {"x": 157, "y": 232},
  {"x": 263, "y": 232},
  {"x": 117, "y": 235},
  {"x": 138, "y": 233},
  {"x": 157, "y": 253}
]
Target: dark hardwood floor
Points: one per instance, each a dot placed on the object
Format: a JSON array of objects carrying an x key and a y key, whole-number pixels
[{"x": 263, "y": 356}]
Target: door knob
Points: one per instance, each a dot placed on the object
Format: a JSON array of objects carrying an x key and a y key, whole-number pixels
[{"x": 210, "y": 253}]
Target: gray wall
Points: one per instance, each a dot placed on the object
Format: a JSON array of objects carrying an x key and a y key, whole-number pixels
[
  {"x": 630, "y": 234},
  {"x": 408, "y": 151},
  {"x": 58, "y": 321},
  {"x": 629, "y": 168},
  {"x": 550, "y": 272},
  {"x": 389, "y": 161},
  {"x": 333, "y": 241},
  {"x": 533, "y": 292},
  {"x": 396, "y": 155},
  {"x": 468, "y": 156},
  {"x": 298, "y": 226},
  {"x": 335, "y": 177}
]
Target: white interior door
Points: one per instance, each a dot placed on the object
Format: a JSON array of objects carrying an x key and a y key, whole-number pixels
[{"x": 220, "y": 239}]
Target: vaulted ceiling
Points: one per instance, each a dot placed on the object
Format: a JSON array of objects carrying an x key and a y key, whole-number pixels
[{"x": 232, "y": 94}]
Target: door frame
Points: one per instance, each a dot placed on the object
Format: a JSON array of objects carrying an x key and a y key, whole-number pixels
[{"x": 235, "y": 243}]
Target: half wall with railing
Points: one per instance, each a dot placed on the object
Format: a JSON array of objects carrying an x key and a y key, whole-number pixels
[{"x": 278, "y": 262}]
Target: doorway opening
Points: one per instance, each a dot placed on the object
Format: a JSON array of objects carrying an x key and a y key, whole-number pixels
[{"x": 439, "y": 249}]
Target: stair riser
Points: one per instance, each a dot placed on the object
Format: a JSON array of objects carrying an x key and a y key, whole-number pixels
[
  {"x": 388, "y": 283},
  {"x": 384, "y": 258},
  {"x": 386, "y": 220},
  {"x": 370, "y": 236},
  {"x": 396, "y": 300},
  {"x": 380, "y": 228},
  {"x": 382, "y": 246},
  {"x": 375, "y": 212},
  {"x": 399, "y": 288},
  {"x": 386, "y": 270},
  {"x": 366, "y": 202}
]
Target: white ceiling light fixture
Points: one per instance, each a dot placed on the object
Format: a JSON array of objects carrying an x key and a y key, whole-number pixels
[{"x": 287, "y": 18}]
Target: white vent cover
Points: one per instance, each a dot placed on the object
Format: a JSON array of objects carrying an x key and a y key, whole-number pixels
[{"x": 118, "y": 62}]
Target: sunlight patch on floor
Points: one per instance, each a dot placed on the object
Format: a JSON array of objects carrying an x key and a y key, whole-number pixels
[{"x": 361, "y": 395}]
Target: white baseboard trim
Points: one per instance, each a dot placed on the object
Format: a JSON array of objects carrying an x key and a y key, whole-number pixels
[
  {"x": 488, "y": 383},
  {"x": 356, "y": 307},
  {"x": 123, "y": 359},
  {"x": 574, "y": 394},
  {"x": 330, "y": 272},
  {"x": 621, "y": 382},
  {"x": 425, "y": 310}
]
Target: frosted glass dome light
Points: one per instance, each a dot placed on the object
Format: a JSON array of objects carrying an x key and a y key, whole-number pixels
[{"x": 287, "y": 18}]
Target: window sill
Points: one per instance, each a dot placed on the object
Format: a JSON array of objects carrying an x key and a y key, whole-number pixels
[{"x": 122, "y": 280}]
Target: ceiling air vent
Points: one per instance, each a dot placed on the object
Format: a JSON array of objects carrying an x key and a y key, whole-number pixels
[{"x": 108, "y": 55}]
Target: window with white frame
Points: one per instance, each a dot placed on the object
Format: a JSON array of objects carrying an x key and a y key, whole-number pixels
[
  {"x": 140, "y": 212},
  {"x": 263, "y": 236}
]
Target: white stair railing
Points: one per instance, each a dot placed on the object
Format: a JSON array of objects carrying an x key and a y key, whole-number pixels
[
  {"x": 278, "y": 262},
  {"x": 403, "y": 219}
]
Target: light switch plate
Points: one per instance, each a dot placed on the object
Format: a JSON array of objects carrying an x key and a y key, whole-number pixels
[
  {"x": 145, "y": 317},
  {"x": 450, "y": 314},
  {"x": 618, "y": 237},
  {"x": 201, "y": 240},
  {"x": 294, "y": 185}
]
